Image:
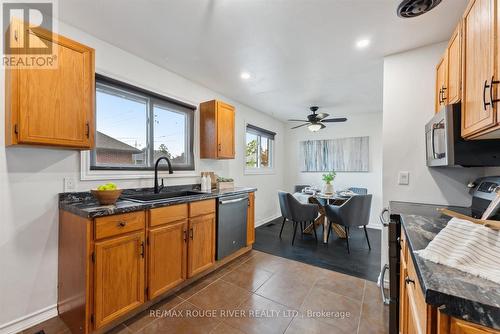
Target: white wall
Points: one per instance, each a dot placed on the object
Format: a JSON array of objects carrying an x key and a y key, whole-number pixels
[
  {"x": 31, "y": 178},
  {"x": 364, "y": 124},
  {"x": 409, "y": 80}
]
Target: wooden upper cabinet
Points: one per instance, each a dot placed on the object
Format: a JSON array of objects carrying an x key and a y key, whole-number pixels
[
  {"x": 52, "y": 106},
  {"x": 441, "y": 82},
  {"x": 118, "y": 277},
  {"x": 480, "y": 51},
  {"x": 251, "y": 219},
  {"x": 217, "y": 130},
  {"x": 454, "y": 87},
  {"x": 167, "y": 257},
  {"x": 201, "y": 244}
]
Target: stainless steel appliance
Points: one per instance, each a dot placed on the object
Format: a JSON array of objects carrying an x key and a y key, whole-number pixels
[
  {"x": 482, "y": 191},
  {"x": 445, "y": 146},
  {"x": 231, "y": 224}
]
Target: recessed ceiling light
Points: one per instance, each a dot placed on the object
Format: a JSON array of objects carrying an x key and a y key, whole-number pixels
[
  {"x": 245, "y": 75},
  {"x": 363, "y": 43}
]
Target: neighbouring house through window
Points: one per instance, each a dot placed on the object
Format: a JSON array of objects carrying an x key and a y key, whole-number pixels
[
  {"x": 259, "y": 151},
  {"x": 134, "y": 127}
]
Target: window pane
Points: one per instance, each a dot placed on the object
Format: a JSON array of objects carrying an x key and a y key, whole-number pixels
[
  {"x": 121, "y": 123},
  {"x": 251, "y": 150},
  {"x": 264, "y": 152},
  {"x": 170, "y": 137}
]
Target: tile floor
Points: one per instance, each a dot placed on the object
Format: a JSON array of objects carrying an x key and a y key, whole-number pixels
[{"x": 261, "y": 293}]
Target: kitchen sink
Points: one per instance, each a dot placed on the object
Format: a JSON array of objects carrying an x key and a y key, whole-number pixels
[{"x": 153, "y": 198}]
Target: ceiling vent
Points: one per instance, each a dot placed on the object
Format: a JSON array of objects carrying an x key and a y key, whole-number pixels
[{"x": 413, "y": 8}]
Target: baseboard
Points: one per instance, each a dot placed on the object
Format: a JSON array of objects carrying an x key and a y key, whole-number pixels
[
  {"x": 267, "y": 220},
  {"x": 29, "y": 320}
]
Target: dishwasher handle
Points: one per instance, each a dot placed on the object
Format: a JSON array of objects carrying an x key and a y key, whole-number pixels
[{"x": 236, "y": 200}]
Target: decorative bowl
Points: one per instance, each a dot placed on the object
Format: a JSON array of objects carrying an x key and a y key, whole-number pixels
[{"x": 107, "y": 197}]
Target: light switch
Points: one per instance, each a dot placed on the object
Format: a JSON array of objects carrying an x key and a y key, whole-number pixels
[
  {"x": 69, "y": 184},
  {"x": 404, "y": 178}
]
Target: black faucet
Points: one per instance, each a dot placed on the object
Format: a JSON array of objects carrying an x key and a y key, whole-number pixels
[{"x": 170, "y": 171}]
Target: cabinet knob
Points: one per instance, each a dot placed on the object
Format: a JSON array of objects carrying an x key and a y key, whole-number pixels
[{"x": 122, "y": 224}]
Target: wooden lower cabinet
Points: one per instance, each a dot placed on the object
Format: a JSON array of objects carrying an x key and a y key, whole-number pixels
[
  {"x": 167, "y": 257},
  {"x": 201, "y": 244},
  {"x": 251, "y": 219},
  {"x": 450, "y": 325},
  {"x": 118, "y": 276}
]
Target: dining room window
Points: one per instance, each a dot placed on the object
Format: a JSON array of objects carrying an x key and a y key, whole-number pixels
[
  {"x": 259, "y": 149},
  {"x": 135, "y": 127}
]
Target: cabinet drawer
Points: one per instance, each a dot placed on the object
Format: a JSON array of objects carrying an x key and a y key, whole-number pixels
[
  {"x": 118, "y": 224},
  {"x": 168, "y": 214},
  {"x": 201, "y": 208}
]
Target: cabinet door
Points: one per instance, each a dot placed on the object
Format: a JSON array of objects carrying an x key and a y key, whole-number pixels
[
  {"x": 56, "y": 106},
  {"x": 441, "y": 89},
  {"x": 403, "y": 297},
  {"x": 167, "y": 257},
  {"x": 251, "y": 219},
  {"x": 118, "y": 277},
  {"x": 225, "y": 130},
  {"x": 478, "y": 68},
  {"x": 201, "y": 244},
  {"x": 455, "y": 67}
]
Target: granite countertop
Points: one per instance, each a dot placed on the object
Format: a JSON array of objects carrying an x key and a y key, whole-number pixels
[
  {"x": 454, "y": 292},
  {"x": 85, "y": 205}
]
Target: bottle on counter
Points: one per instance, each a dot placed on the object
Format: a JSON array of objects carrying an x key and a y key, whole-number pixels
[
  {"x": 203, "y": 182},
  {"x": 208, "y": 181}
]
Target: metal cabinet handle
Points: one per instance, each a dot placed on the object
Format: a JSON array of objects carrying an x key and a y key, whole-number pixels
[
  {"x": 386, "y": 300},
  {"x": 16, "y": 37},
  {"x": 142, "y": 249},
  {"x": 220, "y": 147},
  {"x": 185, "y": 235},
  {"x": 122, "y": 224},
  {"x": 493, "y": 82},
  {"x": 191, "y": 233},
  {"x": 485, "y": 104},
  {"x": 443, "y": 90},
  {"x": 234, "y": 201},
  {"x": 87, "y": 132},
  {"x": 439, "y": 96},
  {"x": 408, "y": 280}
]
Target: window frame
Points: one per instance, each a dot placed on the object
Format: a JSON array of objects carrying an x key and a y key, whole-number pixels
[
  {"x": 260, "y": 133},
  {"x": 152, "y": 99}
]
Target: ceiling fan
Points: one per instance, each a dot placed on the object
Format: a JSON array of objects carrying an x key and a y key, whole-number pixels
[{"x": 315, "y": 121}]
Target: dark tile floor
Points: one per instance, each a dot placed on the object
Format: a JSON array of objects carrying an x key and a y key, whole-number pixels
[
  {"x": 262, "y": 293},
  {"x": 361, "y": 263}
]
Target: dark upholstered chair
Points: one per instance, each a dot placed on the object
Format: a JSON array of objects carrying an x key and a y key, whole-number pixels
[
  {"x": 296, "y": 212},
  {"x": 299, "y": 187},
  {"x": 359, "y": 191},
  {"x": 354, "y": 212}
]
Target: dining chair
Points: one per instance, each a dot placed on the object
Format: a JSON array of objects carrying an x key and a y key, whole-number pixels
[
  {"x": 299, "y": 187},
  {"x": 359, "y": 191},
  {"x": 296, "y": 212},
  {"x": 354, "y": 212}
]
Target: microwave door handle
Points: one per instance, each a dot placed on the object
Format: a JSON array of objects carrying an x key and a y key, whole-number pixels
[{"x": 433, "y": 142}]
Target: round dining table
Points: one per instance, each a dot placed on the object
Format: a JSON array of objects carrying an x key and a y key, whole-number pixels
[{"x": 319, "y": 198}]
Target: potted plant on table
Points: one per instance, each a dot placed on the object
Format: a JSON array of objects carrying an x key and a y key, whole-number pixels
[{"x": 328, "y": 178}]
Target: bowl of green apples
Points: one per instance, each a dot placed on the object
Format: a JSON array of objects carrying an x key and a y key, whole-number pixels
[{"x": 107, "y": 194}]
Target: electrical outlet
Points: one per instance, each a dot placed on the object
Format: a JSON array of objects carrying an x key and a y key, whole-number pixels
[
  {"x": 69, "y": 183},
  {"x": 404, "y": 178}
]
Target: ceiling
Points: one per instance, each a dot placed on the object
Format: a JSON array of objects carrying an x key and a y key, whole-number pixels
[{"x": 299, "y": 52}]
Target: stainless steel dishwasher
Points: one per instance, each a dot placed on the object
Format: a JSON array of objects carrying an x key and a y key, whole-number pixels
[{"x": 231, "y": 224}]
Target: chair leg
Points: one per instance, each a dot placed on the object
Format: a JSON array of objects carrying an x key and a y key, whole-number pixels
[
  {"x": 282, "y": 225},
  {"x": 328, "y": 232},
  {"x": 367, "y": 240},
  {"x": 346, "y": 229},
  {"x": 315, "y": 234},
  {"x": 294, "y": 231}
]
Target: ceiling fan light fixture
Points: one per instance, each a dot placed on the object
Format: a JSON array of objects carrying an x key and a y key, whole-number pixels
[{"x": 314, "y": 127}]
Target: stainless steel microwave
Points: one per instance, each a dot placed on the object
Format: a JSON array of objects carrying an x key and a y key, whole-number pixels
[{"x": 446, "y": 148}]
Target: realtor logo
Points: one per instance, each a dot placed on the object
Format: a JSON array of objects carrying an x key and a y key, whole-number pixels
[{"x": 28, "y": 28}]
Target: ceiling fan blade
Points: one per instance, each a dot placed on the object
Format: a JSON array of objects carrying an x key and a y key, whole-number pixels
[
  {"x": 298, "y": 120},
  {"x": 334, "y": 120},
  {"x": 322, "y": 115},
  {"x": 295, "y": 127}
]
